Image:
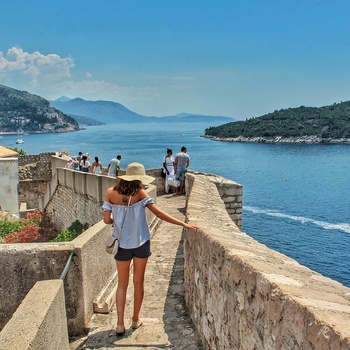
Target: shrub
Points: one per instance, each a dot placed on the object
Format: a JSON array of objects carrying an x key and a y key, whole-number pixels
[
  {"x": 66, "y": 236},
  {"x": 36, "y": 227},
  {"x": 9, "y": 226},
  {"x": 78, "y": 227},
  {"x": 27, "y": 234},
  {"x": 73, "y": 231}
]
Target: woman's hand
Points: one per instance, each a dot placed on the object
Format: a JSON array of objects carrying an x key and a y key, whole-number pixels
[{"x": 191, "y": 227}]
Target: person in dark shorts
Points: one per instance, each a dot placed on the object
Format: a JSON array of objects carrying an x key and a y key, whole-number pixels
[{"x": 125, "y": 208}]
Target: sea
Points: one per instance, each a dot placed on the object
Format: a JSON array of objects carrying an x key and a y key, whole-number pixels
[{"x": 296, "y": 197}]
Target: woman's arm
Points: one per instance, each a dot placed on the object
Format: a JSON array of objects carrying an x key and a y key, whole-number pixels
[
  {"x": 166, "y": 217},
  {"x": 107, "y": 219},
  {"x": 165, "y": 167}
]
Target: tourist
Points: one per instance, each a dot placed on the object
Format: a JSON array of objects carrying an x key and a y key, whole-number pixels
[
  {"x": 84, "y": 165},
  {"x": 70, "y": 164},
  {"x": 125, "y": 208},
  {"x": 168, "y": 165},
  {"x": 79, "y": 158},
  {"x": 114, "y": 166},
  {"x": 96, "y": 166},
  {"x": 75, "y": 164},
  {"x": 182, "y": 162}
]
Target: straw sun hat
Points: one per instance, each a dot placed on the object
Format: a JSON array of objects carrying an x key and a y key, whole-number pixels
[{"x": 136, "y": 171}]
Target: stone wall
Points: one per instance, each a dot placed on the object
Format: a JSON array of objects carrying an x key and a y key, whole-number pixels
[
  {"x": 243, "y": 295},
  {"x": 35, "y": 166},
  {"x": 34, "y": 173},
  {"x": 9, "y": 184},
  {"x": 39, "y": 322},
  {"x": 22, "y": 265},
  {"x": 230, "y": 192},
  {"x": 67, "y": 206}
]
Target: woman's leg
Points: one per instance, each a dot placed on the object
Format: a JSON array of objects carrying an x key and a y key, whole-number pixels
[
  {"x": 123, "y": 281},
  {"x": 139, "y": 277}
]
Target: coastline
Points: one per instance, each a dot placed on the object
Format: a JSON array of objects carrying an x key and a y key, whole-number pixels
[
  {"x": 41, "y": 132},
  {"x": 280, "y": 139}
]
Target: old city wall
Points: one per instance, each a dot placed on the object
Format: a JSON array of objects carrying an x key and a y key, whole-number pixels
[
  {"x": 240, "y": 294},
  {"x": 34, "y": 173},
  {"x": 243, "y": 295}
]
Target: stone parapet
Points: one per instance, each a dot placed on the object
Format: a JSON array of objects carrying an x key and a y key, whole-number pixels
[
  {"x": 24, "y": 264},
  {"x": 230, "y": 192},
  {"x": 39, "y": 323},
  {"x": 243, "y": 295}
]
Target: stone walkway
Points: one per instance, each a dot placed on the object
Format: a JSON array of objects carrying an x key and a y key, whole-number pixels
[{"x": 166, "y": 322}]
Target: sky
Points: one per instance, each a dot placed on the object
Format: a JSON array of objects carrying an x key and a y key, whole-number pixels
[{"x": 233, "y": 58}]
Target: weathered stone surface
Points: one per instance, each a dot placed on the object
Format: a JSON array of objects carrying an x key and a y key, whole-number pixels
[{"x": 242, "y": 295}]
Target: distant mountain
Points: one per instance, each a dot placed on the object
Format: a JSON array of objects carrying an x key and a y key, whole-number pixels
[
  {"x": 195, "y": 118},
  {"x": 112, "y": 112},
  {"x": 104, "y": 111},
  {"x": 327, "y": 122},
  {"x": 86, "y": 120},
  {"x": 20, "y": 110},
  {"x": 63, "y": 99}
]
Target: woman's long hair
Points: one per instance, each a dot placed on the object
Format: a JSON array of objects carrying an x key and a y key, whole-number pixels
[{"x": 127, "y": 188}]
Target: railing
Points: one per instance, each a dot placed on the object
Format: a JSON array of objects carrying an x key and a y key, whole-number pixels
[{"x": 65, "y": 270}]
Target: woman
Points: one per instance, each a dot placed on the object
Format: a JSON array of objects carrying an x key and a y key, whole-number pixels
[
  {"x": 168, "y": 164},
  {"x": 84, "y": 165},
  {"x": 125, "y": 208},
  {"x": 96, "y": 166}
]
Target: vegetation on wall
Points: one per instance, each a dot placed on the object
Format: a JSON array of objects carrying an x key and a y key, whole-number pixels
[
  {"x": 327, "y": 122},
  {"x": 37, "y": 227},
  {"x": 21, "y": 152},
  {"x": 73, "y": 231}
]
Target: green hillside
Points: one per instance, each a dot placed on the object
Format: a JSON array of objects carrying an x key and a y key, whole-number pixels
[
  {"x": 326, "y": 122},
  {"x": 20, "y": 110}
]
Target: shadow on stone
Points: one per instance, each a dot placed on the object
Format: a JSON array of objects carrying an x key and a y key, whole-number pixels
[{"x": 177, "y": 321}]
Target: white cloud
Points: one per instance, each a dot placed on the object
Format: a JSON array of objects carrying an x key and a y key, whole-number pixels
[
  {"x": 18, "y": 64},
  {"x": 51, "y": 76}
]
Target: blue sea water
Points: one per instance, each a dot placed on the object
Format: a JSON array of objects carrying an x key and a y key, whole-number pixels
[{"x": 296, "y": 196}]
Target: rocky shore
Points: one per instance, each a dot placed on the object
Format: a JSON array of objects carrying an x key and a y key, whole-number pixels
[{"x": 280, "y": 139}]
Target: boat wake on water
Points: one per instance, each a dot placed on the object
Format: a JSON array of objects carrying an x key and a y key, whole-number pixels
[{"x": 325, "y": 225}]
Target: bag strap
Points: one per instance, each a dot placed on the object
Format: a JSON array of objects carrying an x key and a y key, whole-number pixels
[{"x": 121, "y": 227}]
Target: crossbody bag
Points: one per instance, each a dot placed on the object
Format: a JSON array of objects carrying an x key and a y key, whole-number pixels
[{"x": 112, "y": 243}]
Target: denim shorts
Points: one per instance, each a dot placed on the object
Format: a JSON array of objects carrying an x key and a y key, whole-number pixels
[
  {"x": 143, "y": 251},
  {"x": 180, "y": 173}
]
